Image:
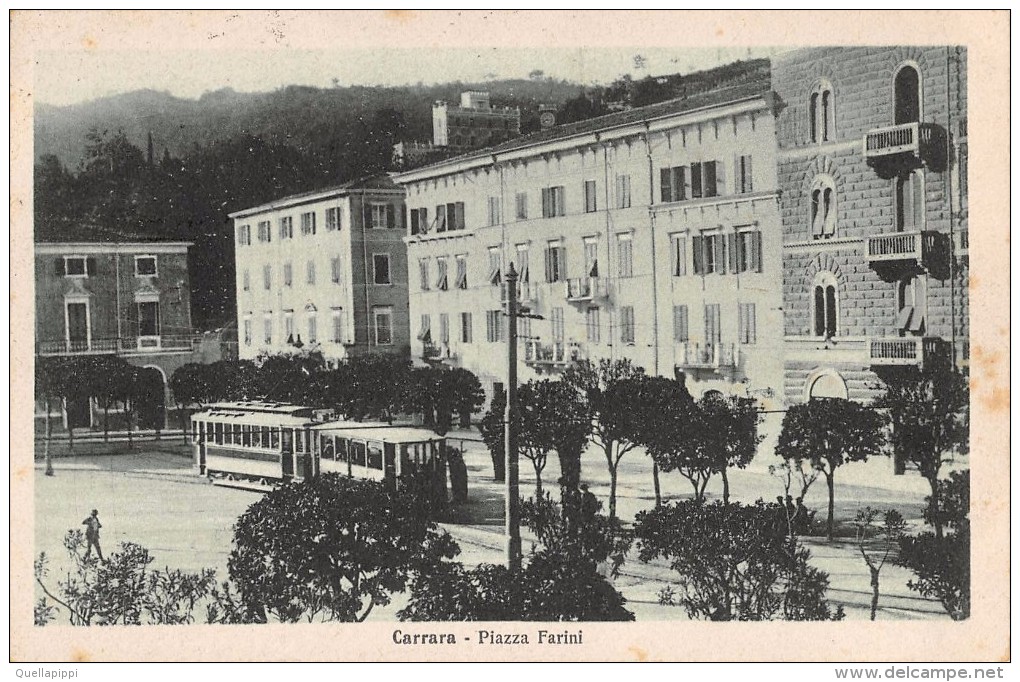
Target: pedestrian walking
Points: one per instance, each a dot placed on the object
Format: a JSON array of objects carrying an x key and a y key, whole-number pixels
[
  {"x": 92, "y": 527},
  {"x": 803, "y": 517}
]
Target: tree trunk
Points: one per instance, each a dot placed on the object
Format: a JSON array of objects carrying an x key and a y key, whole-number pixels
[
  {"x": 874, "y": 591},
  {"x": 725, "y": 487},
  {"x": 612, "y": 492},
  {"x": 46, "y": 447},
  {"x": 538, "y": 482},
  {"x": 829, "y": 480},
  {"x": 128, "y": 414},
  {"x": 936, "y": 506},
  {"x": 106, "y": 423},
  {"x": 655, "y": 483}
]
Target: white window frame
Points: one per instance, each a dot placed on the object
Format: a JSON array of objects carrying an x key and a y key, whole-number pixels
[
  {"x": 624, "y": 266},
  {"x": 288, "y": 326},
  {"x": 337, "y": 325},
  {"x": 84, "y": 266},
  {"x": 142, "y": 257},
  {"x": 377, "y": 313},
  {"x": 377, "y": 215}
]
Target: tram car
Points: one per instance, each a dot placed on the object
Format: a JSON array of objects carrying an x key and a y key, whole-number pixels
[{"x": 261, "y": 444}]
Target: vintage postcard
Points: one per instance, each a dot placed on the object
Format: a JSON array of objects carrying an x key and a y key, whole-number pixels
[{"x": 509, "y": 336}]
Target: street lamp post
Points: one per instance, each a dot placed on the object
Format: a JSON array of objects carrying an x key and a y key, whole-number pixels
[{"x": 513, "y": 503}]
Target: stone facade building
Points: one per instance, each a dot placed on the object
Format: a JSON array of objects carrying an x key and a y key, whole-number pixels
[
  {"x": 324, "y": 270},
  {"x": 651, "y": 235},
  {"x": 872, "y": 164}
]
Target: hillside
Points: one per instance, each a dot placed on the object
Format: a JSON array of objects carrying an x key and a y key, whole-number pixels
[{"x": 301, "y": 117}]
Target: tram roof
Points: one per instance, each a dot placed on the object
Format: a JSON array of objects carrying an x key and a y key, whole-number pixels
[
  {"x": 252, "y": 418},
  {"x": 378, "y": 431},
  {"x": 261, "y": 406}
]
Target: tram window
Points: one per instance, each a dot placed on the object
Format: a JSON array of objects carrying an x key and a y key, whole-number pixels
[
  {"x": 299, "y": 441},
  {"x": 274, "y": 439},
  {"x": 237, "y": 434},
  {"x": 264, "y": 437},
  {"x": 375, "y": 455},
  {"x": 246, "y": 435},
  {"x": 390, "y": 466},
  {"x": 358, "y": 452},
  {"x": 209, "y": 436},
  {"x": 219, "y": 434},
  {"x": 342, "y": 446}
]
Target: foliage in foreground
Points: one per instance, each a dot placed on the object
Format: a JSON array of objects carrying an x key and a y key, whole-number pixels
[
  {"x": 734, "y": 562},
  {"x": 330, "y": 549},
  {"x": 942, "y": 564},
  {"x": 122, "y": 590}
]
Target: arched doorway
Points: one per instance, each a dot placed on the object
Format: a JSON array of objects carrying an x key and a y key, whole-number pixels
[
  {"x": 827, "y": 384},
  {"x": 150, "y": 399}
]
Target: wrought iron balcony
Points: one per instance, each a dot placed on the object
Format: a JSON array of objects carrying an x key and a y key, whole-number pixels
[
  {"x": 912, "y": 248},
  {"x": 707, "y": 356},
  {"x": 586, "y": 289},
  {"x": 907, "y": 140},
  {"x": 555, "y": 355},
  {"x": 903, "y": 352},
  {"x": 437, "y": 352},
  {"x": 132, "y": 344}
]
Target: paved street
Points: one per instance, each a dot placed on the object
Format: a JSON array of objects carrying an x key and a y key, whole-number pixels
[{"x": 153, "y": 498}]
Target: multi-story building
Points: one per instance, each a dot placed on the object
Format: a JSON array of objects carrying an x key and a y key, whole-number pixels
[
  {"x": 474, "y": 124},
  {"x": 97, "y": 296},
  {"x": 651, "y": 234},
  {"x": 324, "y": 270},
  {"x": 872, "y": 152}
]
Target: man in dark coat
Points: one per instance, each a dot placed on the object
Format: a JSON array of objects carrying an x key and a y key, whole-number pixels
[{"x": 92, "y": 527}]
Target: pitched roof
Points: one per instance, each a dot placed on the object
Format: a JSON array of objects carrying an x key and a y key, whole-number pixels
[
  {"x": 89, "y": 234},
  {"x": 377, "y": 181}
]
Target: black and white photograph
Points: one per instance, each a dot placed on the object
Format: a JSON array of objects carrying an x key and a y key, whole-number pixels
[{"x": 509, "y": 335}]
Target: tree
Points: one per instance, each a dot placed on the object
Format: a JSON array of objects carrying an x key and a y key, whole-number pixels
[
  {"x": 49, "y": 376},
  {"x": 875, "y": 544},
  {"x": 286, "y": 376},
  {"x": 582, "y": 536},
  {"x": 368, "y": 386},
  {"x": 611, "y": 401},
  {"x": 331, "y": 549},
  {"x": 110, "y": 372},
  {"x": 942, "y": 562},
  {"x": 547, "y": 416},
  {"x": 439, "y": 394},
  {"x": 494, "y": 435},
  {"x": 659, "y": 396},
  {"x": 929, "y": 412},
  {"x": 830, "y": 432},
  {"x": 792, "y": 469},
  {"x": 736, "y": 439},
  {"x": 122, "y": 590},
  {"x": 680, "y": 437},
  {"x": 733, "y": 562}
]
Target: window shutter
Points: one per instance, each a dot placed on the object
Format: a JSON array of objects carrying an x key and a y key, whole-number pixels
[
  {"x": 819, "y": 311},
  {"x": 753, "y": 323},
  {"x": 682, "y": 183},
  {"x": 545, "y": 202},
  {"x": 920, "y": 294},
  {"x": 734, "y": 259},
  {"x": 720, "y": 254},
  {"x": 391, "y": 219},
  {"x": 681, "y": 255},
  {"x": 715, "y": 178},
  {"x": 548, "y": 265},
  {"x": 756, "y": 264},
  {"x": 748, "y": 175},
  {"x": 562, "y": 263},
  {"x": 58, "y": 265},
  {"x": 440, "y": 218},
  {"x": 741, "y": 323},
  {"x": 90, "y": 267},
  {"x": 666, "y": 183},
  {"x": 698, "y": 246},
  {"x": 696, "y": 188}
]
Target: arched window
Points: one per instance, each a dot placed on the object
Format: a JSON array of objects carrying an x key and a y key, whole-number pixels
[
  {"x": 825, "y": 304},
  {"x": 822, "y": 112},
  {"x": 909, "y": 195},
  {"x": 827, "y": 384},
  {"x": 907, "y": 93},
  {"x": 823, "y": 208}
]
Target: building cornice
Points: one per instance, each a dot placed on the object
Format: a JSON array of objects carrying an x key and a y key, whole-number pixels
[
  {"x": 66, "y": 248},
  {"x": 304, "y": 199}
]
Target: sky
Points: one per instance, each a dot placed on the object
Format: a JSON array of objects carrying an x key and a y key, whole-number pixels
[
  {"x": 77, "y": 56},
  {"x": 68, "y": 77}
]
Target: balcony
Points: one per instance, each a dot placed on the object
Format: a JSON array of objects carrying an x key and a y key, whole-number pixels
[
  {"x": 903, "y": 352},
  {"x": 433, "y": 352},
  {"x": 912, "y": 248},
  {"x": 911, "y": 143},
  {"x": 584, "y": 289},
  {"x": 526, "y": 294},
  {"x": 706, "y": 356},
  {"x": 133, "y": 344},
  {"x": 551, "y": 356},
  {"x": 962, "y": 243}
]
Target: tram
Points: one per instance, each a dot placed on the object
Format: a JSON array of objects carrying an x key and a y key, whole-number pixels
[{"x": 261, "y": 444}]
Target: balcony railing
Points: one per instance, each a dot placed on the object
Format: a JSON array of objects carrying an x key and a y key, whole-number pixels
[
  {"x": 912, "y": 139},
  {"x": 912, "y": 247},
  {"x": 586, "y": 289},
  {"x": 893, "y": 352},
  {"x": 557, "y": 354},
  {"x": 153, "y": 344},
  {"x": 706, "y": 356},
  {"x": 962, "y": 242},
  {"x": 526, "y": 293},
  {"x": 437, "y": 352}
]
